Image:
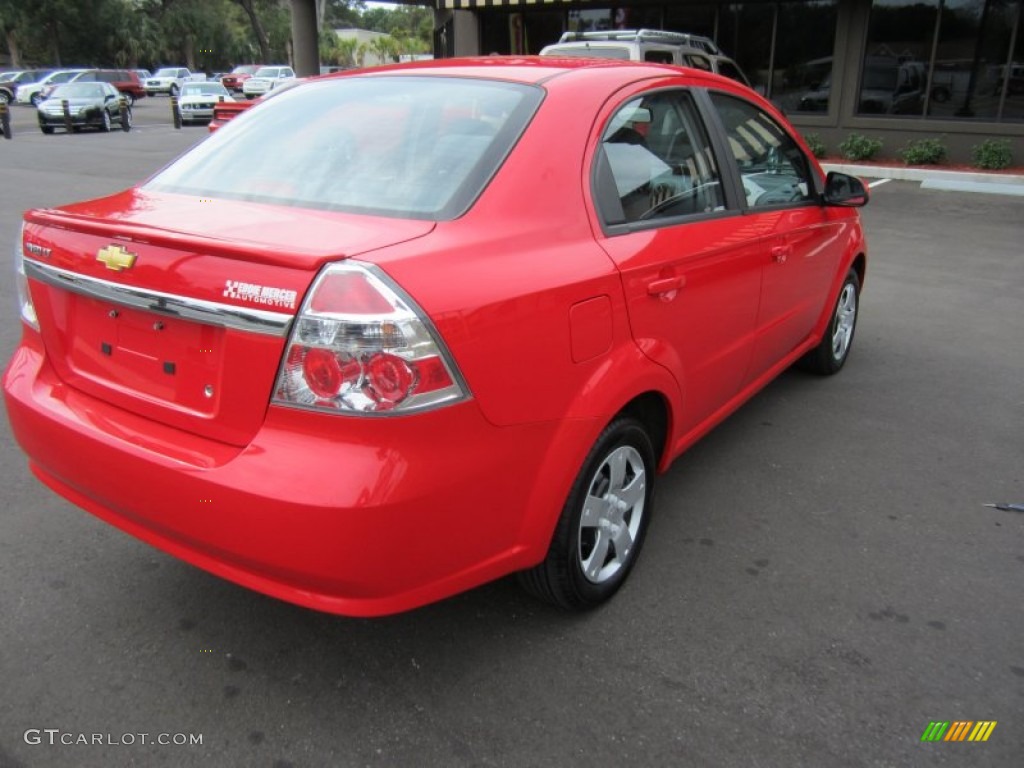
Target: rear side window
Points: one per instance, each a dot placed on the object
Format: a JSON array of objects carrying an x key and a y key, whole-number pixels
[
  {"x": 773, "y": 169},
  {"x": 656, "y": 163},
  {"x": 658, "y": 57},
  {"x": 697, "y": 61},
  {"x": 413, "y": 147}
]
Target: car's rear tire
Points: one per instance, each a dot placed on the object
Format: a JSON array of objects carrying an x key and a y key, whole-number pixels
[
  {"x": 36, "y": 99},
  {"x": 4, "y": 98},
  {"x": 601, "y": 530},
  {"x": 830, "y": 355}
]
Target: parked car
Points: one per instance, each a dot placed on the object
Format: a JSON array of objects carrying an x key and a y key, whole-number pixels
[
  {"x": 144, "y": 74},
  {"x": 10, "y": 82},
  {"x": 197, "y": 100},
  {"x": 652, "y": 45},
  {"x": 265, "y": 79},
  {"x": 91, "y": 104},
  {"x": 451, "y": 325},
  {"x": 888, "y": 86},
  {"x": 31, "y": 93},
  {"x": 227, "y": 110},
  {"x": 126, "y": 81},
  {"x": 234, "y": 80},
  {"x": 170, "y": 79}
]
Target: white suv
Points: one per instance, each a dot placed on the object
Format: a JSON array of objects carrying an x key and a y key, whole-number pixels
[
  {"x": 653, "y": 45},
  {"x": 265, "y": 79}
]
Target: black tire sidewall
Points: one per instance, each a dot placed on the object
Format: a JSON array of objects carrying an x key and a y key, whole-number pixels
[
  {"x": 622, "y": 432},
  {"x": 835, "y": 363}
]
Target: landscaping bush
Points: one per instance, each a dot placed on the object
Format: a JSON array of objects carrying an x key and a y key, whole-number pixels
[
  {"x": 816, "y": 145},
  {"x": 923, "y": 152},
  {"x": 992, "y": 154},
  {"x": 858, "y": 147}
]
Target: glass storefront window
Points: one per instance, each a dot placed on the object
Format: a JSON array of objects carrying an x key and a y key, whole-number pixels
[
  {"x": 1013, "y": 107},
  {"x": 942, "y": 58},
  {"x": 745, "y": 34},
  {"x": 801, "y": 79},
  {"x": 894, "y": 73},
  {"x": 590, "y": 21},
  {"x": 695, "y": 19},
  {"x": 982, "y": 30}
]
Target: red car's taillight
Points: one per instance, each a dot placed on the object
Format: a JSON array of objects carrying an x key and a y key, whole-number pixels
[
  {"x": 27, "y": 309},
  {"x": 360, "y": 345}
]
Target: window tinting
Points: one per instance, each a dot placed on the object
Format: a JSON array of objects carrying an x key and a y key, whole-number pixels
[
  {"x": 944, "y": 59},
  {"x": 656, "y": 162},
  {"x": 415, "y": 147},
  {"x": 772, "y": 167}
]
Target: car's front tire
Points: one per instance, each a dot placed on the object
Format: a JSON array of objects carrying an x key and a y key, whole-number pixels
[
  {"x": 36, "y": 99},
  {"x": 830, "y": 355},
  {"x": 105, "y": 125},
  {"x": 47, "y": 129},
  {"x": 602, "y": 526}
]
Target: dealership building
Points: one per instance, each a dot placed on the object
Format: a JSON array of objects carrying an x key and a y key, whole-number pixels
[{"x": 890, "y": 69}]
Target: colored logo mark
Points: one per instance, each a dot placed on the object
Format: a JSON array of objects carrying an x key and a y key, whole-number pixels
[
  {"x": 958, "y": 730},
  {"x": 116, "y": 258}
]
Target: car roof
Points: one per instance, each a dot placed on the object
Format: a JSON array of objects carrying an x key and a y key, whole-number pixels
[{"x": 520, "y": 69}]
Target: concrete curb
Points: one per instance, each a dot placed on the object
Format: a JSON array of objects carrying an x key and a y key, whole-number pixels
[{"x": 936, "y": 178}]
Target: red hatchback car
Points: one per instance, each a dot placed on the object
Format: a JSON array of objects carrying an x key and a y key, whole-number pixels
[{"x": 450, "y": 329}]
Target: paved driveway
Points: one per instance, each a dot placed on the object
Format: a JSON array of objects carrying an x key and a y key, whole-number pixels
[{"x": 820, "y": 582}]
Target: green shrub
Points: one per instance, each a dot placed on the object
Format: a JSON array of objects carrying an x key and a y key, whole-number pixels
[
  {"x": 858, "y": 147},
  {"x": 992, "y": 154},
  {"x": 815, "y": 144},
  {"x": 923, "y": 152}
]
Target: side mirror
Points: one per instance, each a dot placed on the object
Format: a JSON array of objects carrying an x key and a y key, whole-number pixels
[{"x": 843, "y": 189}]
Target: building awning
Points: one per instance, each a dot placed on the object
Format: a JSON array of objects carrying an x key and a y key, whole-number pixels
[{"x": 470, "y": 4}]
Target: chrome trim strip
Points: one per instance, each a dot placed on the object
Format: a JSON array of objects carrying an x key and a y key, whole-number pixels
[{"x": 197, "y": 310}]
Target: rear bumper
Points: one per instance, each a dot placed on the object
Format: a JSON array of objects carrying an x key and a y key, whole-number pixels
[{"x": 357, "y": 516}]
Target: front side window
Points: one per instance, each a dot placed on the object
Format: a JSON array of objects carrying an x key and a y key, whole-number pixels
[
  {"x": 413, "y": 147},
  {"x": 656, "y": 163},
  {"x": 773, "y": 169}
]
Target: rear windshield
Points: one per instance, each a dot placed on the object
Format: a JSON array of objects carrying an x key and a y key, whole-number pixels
[
  {"x": 407, "y": 147},
  {"x": 589, "y": 51},
  {"x": 200, "y": 89},
  {"x": 79, "y": 91}
]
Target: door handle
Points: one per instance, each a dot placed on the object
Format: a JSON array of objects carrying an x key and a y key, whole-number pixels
[
  {"x": 665, "y": 286},
  {"x": 780, "y": 253}
]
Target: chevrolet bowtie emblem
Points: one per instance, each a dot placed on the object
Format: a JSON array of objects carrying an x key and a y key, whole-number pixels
[{"x": 116, "y": 258}]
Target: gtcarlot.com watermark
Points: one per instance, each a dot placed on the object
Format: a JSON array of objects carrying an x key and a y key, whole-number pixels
[{"x": 55, "y": 737}]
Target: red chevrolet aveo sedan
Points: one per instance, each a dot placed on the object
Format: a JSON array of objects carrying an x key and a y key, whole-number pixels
[{"x": 451, "y": 327}]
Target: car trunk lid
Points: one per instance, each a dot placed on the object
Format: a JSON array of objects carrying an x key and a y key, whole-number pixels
[{"x": 177, "y": 308}]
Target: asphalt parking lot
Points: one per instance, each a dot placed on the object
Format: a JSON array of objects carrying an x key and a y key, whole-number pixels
[{"x": 820, "y": 582}]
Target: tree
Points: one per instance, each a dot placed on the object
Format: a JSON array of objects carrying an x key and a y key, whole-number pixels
[
  {"x": 12, "y": 20},
  {"x": 249, "y": 6}
]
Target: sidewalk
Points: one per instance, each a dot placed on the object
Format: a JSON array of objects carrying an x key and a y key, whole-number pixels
[{"x": 937, "y": 178}]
